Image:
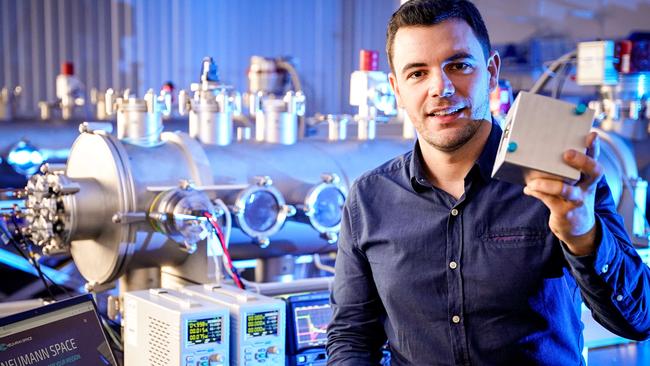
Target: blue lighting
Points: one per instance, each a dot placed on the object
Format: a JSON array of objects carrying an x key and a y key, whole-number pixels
[
  {"x": 15, "y": 261},
  {"x": 641, "y": 85},
  {"x": 25, "y": 158}
]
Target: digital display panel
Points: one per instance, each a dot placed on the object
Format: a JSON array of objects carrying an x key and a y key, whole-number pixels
[
  {"x": 201, "y": 331},
  {"x": 311, "y": 325},
  {"x": 262, "y": 324}
]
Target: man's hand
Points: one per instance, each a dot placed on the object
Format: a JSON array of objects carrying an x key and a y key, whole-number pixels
[{"x": 572, "y": 217}]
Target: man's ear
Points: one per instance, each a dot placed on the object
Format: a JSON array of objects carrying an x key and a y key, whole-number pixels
[
  {"x": 393, "y": 84},
  {"x": 493, "y": 66}
]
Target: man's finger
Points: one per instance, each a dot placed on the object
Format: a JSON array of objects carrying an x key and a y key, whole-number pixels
[
  {"x": 589, "y": 167},
  {"x": 558, "y": 189},
  {"x": 553, "y": 202}
]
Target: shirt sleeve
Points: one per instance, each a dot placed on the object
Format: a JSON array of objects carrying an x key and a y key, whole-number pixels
[
  {"x": 614, "y": 281},
  {"x": 355, "y": 334}
]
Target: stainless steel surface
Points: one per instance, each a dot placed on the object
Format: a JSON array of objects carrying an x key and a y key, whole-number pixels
[
  {"x": 367, "y": 129},
  {"x": 337, "y": 127},
  {"x": 277, "y": 119},
  {"x": 212, "y": 107},
  {"x": 625, "y": 106},
  {"x": 139, "y": 121},
  {"x": 123, "y": 187},
  {"x": 8, "y": 101},
  {"x": 210, "y": 114}
]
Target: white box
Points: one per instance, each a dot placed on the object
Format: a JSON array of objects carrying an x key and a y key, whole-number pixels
[
  {"x": 538, "y": 130},
  {"x": 362, "y": 84},
  {"x": 257, "y": 323},
  {"x": 595, "y": 64},
  {"x": 166, "y": 327}
]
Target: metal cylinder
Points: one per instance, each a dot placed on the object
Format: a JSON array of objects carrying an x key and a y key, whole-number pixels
[
  {"x": 216, "y": 128},
  {"x": 625, "y": 106},
  {"x": 243, "y": 133},
  {"x": 5, "y": 105},
  {"x": 281, "y": 128},
  {"x": 67, "y": 111},
  {"x": 136, "y": 125},
  {"x": 276, "y": 269},
  {"x": 367, "y": 129},
  {"x": 211, "y": 117},
  {"x": 279, "y": 122},
  {"x": 337, "y": 127},
  {"x": 119, "y": 183},
  {"x": 140, "y": 279},
  {"x": 44, "y": 111},
  {"x": 124, "y": 172}
]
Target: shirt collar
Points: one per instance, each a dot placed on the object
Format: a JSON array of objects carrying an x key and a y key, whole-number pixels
[
  {"x": 418, "y": 176},
  {"x": 483, "y": 164}
]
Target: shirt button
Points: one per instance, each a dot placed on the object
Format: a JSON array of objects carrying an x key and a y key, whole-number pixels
[
  {"x": 454, "y": 212},
  {"x": 455, "y": 319},
  {"x": 453, "y": 265},
  {"x": 605, "y": 268},
  {"x": 619, "y": 297}
]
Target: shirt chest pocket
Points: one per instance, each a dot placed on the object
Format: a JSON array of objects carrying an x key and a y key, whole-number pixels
[{"x": 514, "y": 237}]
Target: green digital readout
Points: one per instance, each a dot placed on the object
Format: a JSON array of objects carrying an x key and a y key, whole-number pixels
[
  {"x": 262, "y": 324},
  {"x": 201, "y": 331}
]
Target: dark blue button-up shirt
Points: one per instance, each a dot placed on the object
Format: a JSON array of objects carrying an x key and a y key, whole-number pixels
[{"x": 480, "y": 280}]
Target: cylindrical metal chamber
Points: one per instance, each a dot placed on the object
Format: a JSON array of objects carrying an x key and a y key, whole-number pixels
[
  {"x": 119, "y": 185},
  {"x": 128, "y": 179}
]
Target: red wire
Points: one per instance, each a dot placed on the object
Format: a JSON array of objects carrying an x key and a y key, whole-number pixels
[{"x": 222, "y": 242}]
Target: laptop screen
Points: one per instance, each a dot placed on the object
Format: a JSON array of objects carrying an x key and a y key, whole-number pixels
[{"x": 67, "y": 332}]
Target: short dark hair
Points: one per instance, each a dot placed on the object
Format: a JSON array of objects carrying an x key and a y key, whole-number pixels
[{"x": 431, "y": 12}]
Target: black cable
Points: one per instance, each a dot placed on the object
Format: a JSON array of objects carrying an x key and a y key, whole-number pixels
[
  {"x": 34, "y": 264},
  {"x": 31, "y": 259}
]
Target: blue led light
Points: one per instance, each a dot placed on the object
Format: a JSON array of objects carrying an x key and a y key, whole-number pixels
[{"x": 25, "y": 158}]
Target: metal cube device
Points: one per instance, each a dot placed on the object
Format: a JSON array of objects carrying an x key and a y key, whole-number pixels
[{"x": 538, "y": 130}]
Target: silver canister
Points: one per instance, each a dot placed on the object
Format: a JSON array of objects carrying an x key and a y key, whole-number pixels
[{"x": 139, "y": 121}]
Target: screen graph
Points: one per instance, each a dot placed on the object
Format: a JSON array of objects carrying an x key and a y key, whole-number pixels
[{"x": 311, "y": 324}]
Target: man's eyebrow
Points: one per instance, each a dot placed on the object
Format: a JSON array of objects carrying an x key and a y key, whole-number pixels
[
  {"x": 461, "y": 55},
  {"x": 456, "y": 56},
  {"x": 413, "y": 65}
]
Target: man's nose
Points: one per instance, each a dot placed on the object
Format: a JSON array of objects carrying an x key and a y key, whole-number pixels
[{"x": 441, "y": 86}]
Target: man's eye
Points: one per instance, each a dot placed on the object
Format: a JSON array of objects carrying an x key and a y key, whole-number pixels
[
  {"x": 415, "y": 75},
  {"x": 460, "y": 66}
]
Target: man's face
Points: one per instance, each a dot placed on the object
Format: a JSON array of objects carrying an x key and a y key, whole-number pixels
[{"x": 443, "y": 81}]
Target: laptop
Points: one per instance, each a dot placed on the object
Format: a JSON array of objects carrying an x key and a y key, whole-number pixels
[{"x": 67, "y": 332}]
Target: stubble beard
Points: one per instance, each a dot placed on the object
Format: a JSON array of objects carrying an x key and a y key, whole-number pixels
[{"x": 461, "y": 137}]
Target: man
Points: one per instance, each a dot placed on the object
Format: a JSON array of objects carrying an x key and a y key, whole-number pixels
[{"x": 452, "y": 267}]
